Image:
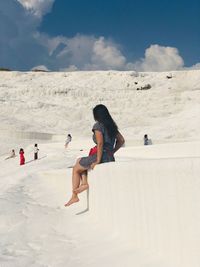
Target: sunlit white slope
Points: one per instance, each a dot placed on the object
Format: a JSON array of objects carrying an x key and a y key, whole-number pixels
[
  {"x": 60, "y": 102},
  {"x": 143, "y": 209}
]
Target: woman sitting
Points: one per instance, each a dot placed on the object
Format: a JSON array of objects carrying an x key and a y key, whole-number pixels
[{"x": 107, "y": 139}]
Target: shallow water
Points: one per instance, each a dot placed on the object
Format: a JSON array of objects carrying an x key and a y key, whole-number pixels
[
  {"x": 14, "y": 140},
  {"x": 26, "y": 135}
]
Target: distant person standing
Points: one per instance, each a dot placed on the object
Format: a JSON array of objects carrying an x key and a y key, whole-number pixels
[
  {"x": 22, "y": 158},
  {"x": 146, "y": 140},
  {"x": 36, "y": 149},
  {"x": 68, "y": 140}
]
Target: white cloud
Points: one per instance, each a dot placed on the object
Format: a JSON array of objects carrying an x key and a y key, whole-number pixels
[
  {"x": 160, "y": 58},
  {"x": 22, "y": 46},
  {"x": 195, "y": 67},
  {"x": 18, "y": 47},
  {"x": 37, "y": 7},
  {"x": 107, "y": 55},
  {"x": 78, "y": 50},
  {"x": 70, "y": 68},
  {"x": 84, "y": 52},
  {"x": 40, "y": 68}
]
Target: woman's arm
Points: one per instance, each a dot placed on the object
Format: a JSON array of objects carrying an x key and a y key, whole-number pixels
[
  {"x": 99, "y": 140},
  {"x": 119, "y": 142}
]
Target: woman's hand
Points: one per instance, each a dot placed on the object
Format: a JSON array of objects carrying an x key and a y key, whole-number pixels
[{"x": 93, "y": 165}]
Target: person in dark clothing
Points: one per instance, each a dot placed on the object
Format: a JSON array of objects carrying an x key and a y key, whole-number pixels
[
  {"x": 36, "y": 149},
  {"x": 108, "y": 140},
  {"x": 146, "y": 140}
]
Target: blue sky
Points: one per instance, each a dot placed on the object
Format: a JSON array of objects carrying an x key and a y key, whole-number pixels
[
  {"x": 133, "y": 24},
  {"x": 99, "y": 34}
]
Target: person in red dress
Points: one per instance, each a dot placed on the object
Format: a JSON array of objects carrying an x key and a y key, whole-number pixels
[{"x": 22, "y": 158}]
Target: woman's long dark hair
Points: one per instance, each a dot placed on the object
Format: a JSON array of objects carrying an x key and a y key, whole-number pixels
[{"x": 102, "y": 115}]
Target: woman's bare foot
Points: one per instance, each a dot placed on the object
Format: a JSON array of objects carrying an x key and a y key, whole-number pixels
[
  {"x": 72, "y": 201},
  {"x": 81, "y": 188}
]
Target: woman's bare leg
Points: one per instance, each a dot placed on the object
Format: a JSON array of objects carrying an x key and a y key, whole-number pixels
[
  {"x": 84, "y": 177},
  {"x": 77, "y": 172},
  {"x": 84, "y": 183}
]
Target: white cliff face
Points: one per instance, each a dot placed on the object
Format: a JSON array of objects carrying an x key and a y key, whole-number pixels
[
  {"x": 148, "y": 198},
  {"x": 54, "y": 102}
]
